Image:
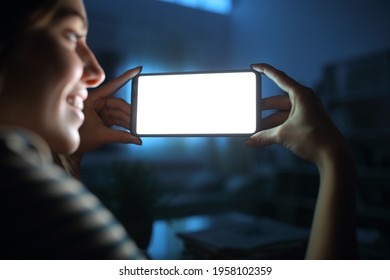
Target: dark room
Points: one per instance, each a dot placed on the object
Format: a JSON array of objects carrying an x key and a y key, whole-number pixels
[
  {"x": 295, "y": 164},
  {"x": 214, "y": 186}
]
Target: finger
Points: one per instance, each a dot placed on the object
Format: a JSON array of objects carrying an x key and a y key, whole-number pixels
[
  {"x": 278, "y": 102},
  {"x": 118, "y": 104},
  {"x": 119, "y": 136},
  {"x": 274, "y": 120},
  {"x": 280, "y": 78},
  {"x": 262, "y": 138},
  {"x": 112, "y": 86},
  {"x": 116, "y": 118},
  {"x": 117, "y": 122},
  {"x": 116, "y": 115},
  {"x": 107, "y": 106}
]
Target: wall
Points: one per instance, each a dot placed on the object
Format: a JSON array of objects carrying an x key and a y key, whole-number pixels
[
  {"x": 301, "y": 36},
  {"x": 158, "y": 35},
  {"x": 298, "y": 36}
]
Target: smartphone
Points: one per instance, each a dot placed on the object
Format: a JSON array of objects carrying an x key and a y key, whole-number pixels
[{"x": 220, "y": 103}]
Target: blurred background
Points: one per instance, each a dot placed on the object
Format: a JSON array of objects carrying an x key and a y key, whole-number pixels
[{"x": 173, "y": 194}]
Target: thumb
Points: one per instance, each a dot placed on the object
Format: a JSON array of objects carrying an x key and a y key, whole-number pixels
[
  {"x": 261, "y": 139},
  {"x": 112, "y": 86},
  {"x": 124, "y": 137}
]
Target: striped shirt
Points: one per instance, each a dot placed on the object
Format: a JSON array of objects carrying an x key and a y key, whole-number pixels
[{"x": 47, "y": 214}]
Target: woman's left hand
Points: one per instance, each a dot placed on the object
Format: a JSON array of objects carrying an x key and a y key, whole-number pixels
[{"x": 102, "y": 111}]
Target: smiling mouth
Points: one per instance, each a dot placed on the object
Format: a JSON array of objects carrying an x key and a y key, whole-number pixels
[{"x": 76, "y": 101}]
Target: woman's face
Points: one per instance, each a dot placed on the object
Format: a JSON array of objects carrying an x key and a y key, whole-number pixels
[{"x": 46, "y": 85}]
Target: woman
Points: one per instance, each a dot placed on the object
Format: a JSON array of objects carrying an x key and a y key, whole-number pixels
[{"x": 46, "y": 68}]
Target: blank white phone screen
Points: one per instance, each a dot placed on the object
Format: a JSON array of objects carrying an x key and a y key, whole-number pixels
[{"x": 197, "y": 103}]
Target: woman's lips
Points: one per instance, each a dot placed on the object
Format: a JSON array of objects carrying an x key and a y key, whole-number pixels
[{"x": 76, "y": 101}]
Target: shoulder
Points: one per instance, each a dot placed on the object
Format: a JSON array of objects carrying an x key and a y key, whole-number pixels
[
  {"x": 53, "y": 207},
  {"x": 20, "y": 143},
  {"x": 25, "y": 162}
]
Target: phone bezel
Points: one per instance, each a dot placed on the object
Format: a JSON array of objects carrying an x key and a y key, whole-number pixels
[{"x": 134, "y": 104}]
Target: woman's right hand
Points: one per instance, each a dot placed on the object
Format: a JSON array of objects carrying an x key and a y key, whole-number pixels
[
  {"x": 301, "y": 124},
  {"x": 304, "y": 127}
]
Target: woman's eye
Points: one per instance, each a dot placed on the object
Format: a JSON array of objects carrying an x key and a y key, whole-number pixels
[{"x": 72, "y": 36}]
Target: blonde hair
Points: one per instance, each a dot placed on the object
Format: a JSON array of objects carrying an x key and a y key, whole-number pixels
[{"x": 68, "y": 164}]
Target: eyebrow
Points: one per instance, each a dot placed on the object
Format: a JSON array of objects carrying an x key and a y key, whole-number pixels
[{"x": 64, "y": 12}]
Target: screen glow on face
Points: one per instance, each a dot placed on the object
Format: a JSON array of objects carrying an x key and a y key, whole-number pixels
[{"x": 213, "y": 103}]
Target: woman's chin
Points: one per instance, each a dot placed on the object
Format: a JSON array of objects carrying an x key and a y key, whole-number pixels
[
  {"x": 67, "y": 145},
  {"x": 74, "y": 143}
]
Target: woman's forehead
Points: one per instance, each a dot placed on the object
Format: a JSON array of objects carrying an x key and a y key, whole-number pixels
[{"x": 68, "y": 8}]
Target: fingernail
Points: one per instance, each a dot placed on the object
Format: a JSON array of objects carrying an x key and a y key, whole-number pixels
[
  {"x": 137, "y": 141},
  {"x": 138, "y": 69},
  {"x": 257, "y": 67}
]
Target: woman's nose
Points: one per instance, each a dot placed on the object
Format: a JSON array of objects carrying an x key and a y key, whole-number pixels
[{"x": 93, "y": 74}]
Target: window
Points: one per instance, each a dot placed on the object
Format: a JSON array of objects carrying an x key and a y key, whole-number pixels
[{"x": 214, "y": 6}]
